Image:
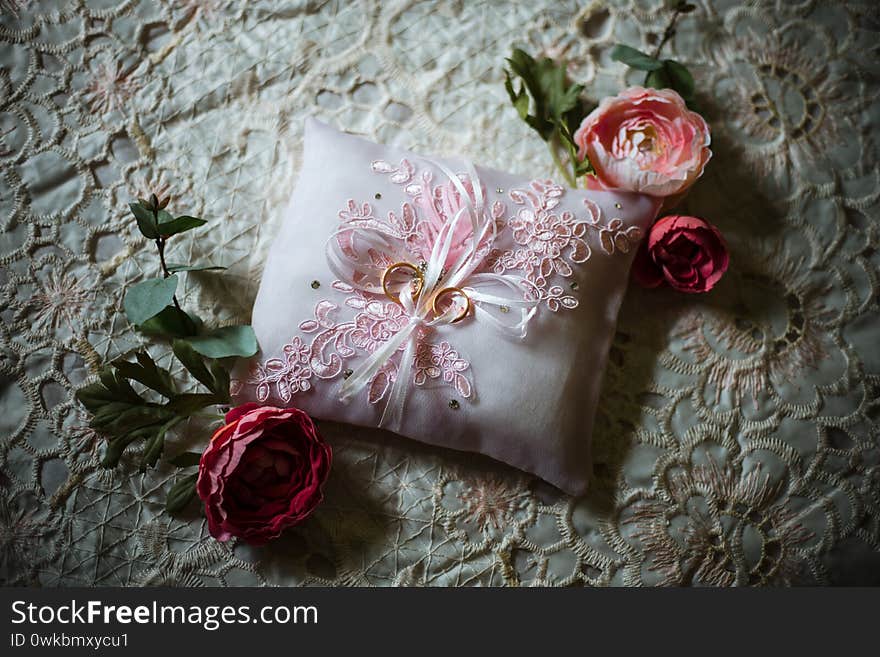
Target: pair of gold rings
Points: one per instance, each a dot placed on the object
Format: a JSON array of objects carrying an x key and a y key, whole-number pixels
[{"x": 418, "y": 283}]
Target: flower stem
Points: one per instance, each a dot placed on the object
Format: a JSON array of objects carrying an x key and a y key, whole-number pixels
[
  {"x": 160, "y": 245},
  {"x": 669, "y": 32},
  {"x": 564, "y": 170}
]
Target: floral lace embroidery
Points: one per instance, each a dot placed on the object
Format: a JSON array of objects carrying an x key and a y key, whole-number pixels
[
  {"x": 335, "y": 342},
  {"x": 547, "y": 241},
  {"x": 436, "y": 203},
  {"x": 441, "y": 361}
]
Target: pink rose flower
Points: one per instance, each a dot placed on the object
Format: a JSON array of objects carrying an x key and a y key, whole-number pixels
[
  {"x": 687, "y": 253},
  {"x": 262, "y": 473},
  {"x": 644, "y": 140}
]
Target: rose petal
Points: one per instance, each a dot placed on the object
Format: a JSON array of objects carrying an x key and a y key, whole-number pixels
[{"x": 262, "y": 472}]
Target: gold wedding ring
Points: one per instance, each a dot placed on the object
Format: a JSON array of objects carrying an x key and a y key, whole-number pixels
[
  {"x": 418, "y": 279},
  {"x": 452, "y": 290}
]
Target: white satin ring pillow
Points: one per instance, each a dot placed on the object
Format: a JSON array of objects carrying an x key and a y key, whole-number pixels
[{"x": 527, "y": 276}]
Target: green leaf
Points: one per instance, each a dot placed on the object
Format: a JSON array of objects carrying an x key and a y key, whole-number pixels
[
  {"x": 673, "y": 75},
  {"x": 115, "y": 448},
  {"x": 554, "y": 100},
  {"x": 120, "y": 414},
  {"x": 112, "y": 388},
  {"x": 147, "y": 372},
  {"x": 226, "y": 341},
  {"x": 174, "y": 267},
  {"x": 221, "y": 378},
  {"x": 581, "y": 167},
  {"x": 526, "y": 68},
  {"x": 153, "y": 450},
  {"x": 148, "y": 298},
  {"x": 658, "y": 79},
  {"x": 119, "y": 418},
  {"x": 123, "y": 416},
  {"x": 146, "y": 220},
  {"x": 193, "y": 362},
  {"x": 190, "y": 403},
  {"x": 635, "y": 58},
  {"x": 180, "y": 225},
  {"x": 156, "y": 444},
  {"x": 216, "y": 379},
  {"x": 181, "y": 493},
  {"x": 680, "y": 78},
  {"x": 186, "y": 459},
  {"x": 171, "y": 323},
  {"x": 125, "y": 422},
  {"x": 520, "y": 99}
]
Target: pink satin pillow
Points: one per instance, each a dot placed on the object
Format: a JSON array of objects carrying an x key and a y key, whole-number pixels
[{"x": 538, "y": 259}]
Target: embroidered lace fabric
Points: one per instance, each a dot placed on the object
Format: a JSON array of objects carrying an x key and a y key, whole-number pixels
[
  {"x": 737, "y": 437},
  {"x": 376, "y": 322}
]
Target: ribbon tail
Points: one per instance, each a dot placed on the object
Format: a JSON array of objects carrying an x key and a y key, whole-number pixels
[
  {"x": 508, "y": 295},
  {"x": 362, "y": 376},
  {"x": 392, "y": 416}
]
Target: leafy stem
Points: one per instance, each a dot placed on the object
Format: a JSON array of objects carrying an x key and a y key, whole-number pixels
[
  {"x": 125, "y": 414},
  {"x": 665, "y": 73},
  {"x": 553, "y": 145},
  {"x": 549, "y": 103},
  {"x": 160, "y": 245}
]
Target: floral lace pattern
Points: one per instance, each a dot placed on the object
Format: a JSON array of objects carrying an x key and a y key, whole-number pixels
[
  {"x": 777, "y": 367},
  {"x": 436, "y": 203},
  {"x": 335, "y": 342},
  {"x": 441, "y": 361},
  {"x": 548, "y": 241},
  {"x": 716, "y": 503}
]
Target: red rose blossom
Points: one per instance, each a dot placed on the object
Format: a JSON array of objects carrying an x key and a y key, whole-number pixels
[
  {"x": 687, "y": 253},
  {"x": 262, "y": 473}
]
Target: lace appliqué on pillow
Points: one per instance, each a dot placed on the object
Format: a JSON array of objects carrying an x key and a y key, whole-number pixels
[
  {"x": 548, "y": 241},
  {"x": 334, "y": 343},
  {"x": 547, "y": 244}
]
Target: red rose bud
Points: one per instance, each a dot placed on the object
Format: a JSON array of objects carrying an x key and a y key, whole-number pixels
[
  {"x": 687, "y": 253},
  {"x": 262, "y": 473}
]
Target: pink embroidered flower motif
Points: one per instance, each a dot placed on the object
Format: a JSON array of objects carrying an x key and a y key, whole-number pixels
[
  {"x": 378, "y": 323},
  {"x": 549, "y": 240},
  {"x": 546, "y": 235},
  {"x": 289, "y": 375},
  {"x": 335, "y": 342},
  {"x": 110, "y": 87},
  {"x": 614, "y": 237},
  {"x": 299, "y": 372},
  {"x": 435, "y": 361}
]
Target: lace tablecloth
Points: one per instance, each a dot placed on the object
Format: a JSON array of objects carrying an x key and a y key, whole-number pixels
[{"x": 737, "y": 439}]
